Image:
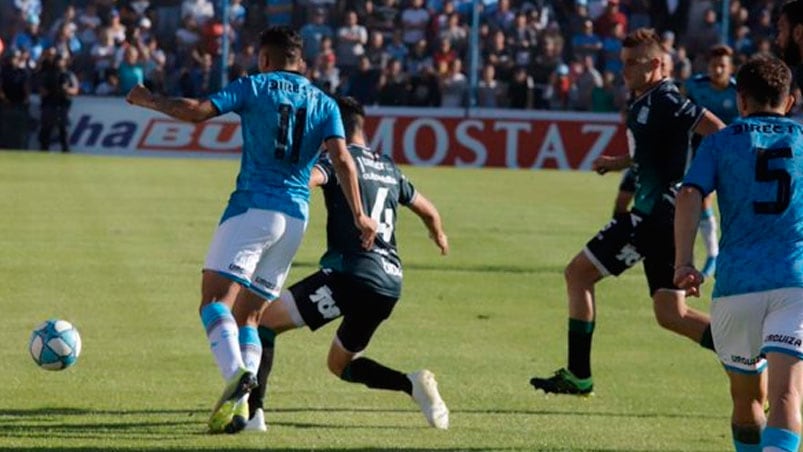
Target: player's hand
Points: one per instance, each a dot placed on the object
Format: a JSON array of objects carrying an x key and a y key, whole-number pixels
[
  {"x": 443, "y": 243},
  {"x": 689, "y": 279},
  {"x": 368, "y": 227},
  {"x": 602, "y": 164},
  {"x": 139, "y": 95}
]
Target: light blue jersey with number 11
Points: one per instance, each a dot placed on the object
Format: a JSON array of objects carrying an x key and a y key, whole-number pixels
[
  {"x": 284, "y": 120},
  {"x": 756, "y": 167}
]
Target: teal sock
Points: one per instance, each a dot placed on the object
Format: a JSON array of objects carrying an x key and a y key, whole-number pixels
[
  {"x": 785, "y": 440},
  {"x": 743, "y": 447}
]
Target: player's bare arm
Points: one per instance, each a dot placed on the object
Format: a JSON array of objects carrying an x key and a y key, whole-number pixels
[
  {"x": 687, "y": 217},
  {"x": 709, "y": 124},
  {"x": 429, "y": 214},
  {"x": 606, "y": 163},
  {"x": 346, "y": 173},
  {"x": 181, "y": 108},
  {"x": 316, "y": 178}
]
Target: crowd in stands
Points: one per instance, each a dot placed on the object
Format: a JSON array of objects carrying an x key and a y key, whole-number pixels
[{"x": 534, "y": 54}]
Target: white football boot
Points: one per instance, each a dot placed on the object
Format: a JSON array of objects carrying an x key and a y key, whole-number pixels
[
  {"x": 257, "y": 423},
  {"x": 425, "y": 393}
]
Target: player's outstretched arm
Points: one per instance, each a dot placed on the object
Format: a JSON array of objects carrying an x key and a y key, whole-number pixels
[
  {"x": 605, "y": 163},
  {"x": 346, "y": 173},
  {"x": 709, "y": 124},
  {"x": 687, "y": 217},
  {"x": 181, "y": 108},
  {"x": 425, "y": 210}
]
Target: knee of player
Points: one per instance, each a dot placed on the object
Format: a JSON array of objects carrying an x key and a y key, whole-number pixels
[
  {"x": 336, "y": 366},
  {"x": 580, "y": 270}
]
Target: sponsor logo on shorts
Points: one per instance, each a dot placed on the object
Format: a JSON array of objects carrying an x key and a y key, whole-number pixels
[
  {"x": 265, "y": 284},
  {"x": 629, "y": 255},
  {"x": 236, "y": 269},
  {"x": 391, "y": 268},
  {"x": 736, "y": 359},
  {"x": 784, "y": 339},
  {"x": 322, "y": 298}
]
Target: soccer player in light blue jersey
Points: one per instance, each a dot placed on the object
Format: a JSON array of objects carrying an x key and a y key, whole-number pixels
[
  {"x": 284, "y": 121},
  {"x": 716, "y": 91},
  {"x": 756, "y": 167}
]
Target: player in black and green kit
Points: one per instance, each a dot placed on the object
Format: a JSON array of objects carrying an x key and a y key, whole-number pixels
[
  {"x": 659, "y": 126},
  {"x": 360, "y": 286}
]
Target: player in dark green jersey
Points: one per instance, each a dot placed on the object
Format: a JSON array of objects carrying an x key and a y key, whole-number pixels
[
  {"x": 659, "y": 126},
  {"x": 360, "y": 286}
]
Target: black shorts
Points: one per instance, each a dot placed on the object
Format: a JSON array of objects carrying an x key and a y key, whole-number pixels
[
  {"x": 630, "y": 238},
  {"x": 326, "y": 295}
]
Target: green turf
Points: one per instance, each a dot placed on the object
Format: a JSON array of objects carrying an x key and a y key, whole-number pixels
[{"x": 115, "y": 245}]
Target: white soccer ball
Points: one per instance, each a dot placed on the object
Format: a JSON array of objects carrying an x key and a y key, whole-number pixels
[{"x": 55, "y": 344}]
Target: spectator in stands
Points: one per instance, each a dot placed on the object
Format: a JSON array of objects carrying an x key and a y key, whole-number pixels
[
  {"x": 385, "y": 17},
  {"x": 454, "y": 86},
  {"x": 586, "y": 42},
  {"x": 500, "y": 56},
  {"x": 116, "y": 28},
  {"x": 103, "y": 53},
  {"x": 425, "y": 89},
  {"x": 327, "y": 75},
  {"x": 57, "y": 87},
  {"x": 577, "y": 20},
  {"x": 131, "y": 70},
  {"x": 65, "y": 41},
  {"x": 414, "y": 21},
  {"x": 89, "y": 25},
  {"x": 15, "y": 90},
  {"x": 201, "y": 11},
  {"x": 351, "y": 40},
  {"x": 375, "y": 51},
  {"x": 541, "y": 71},
  {"x": 393, "y": 85},
  {"x": 364, "y": 83},
  {"x": 520, "y": 90},
  {"x": 563, "y": 91},
  {"x": 522, "y": 40},
  {"x": 313, "y": 32},
  {"x": 246, "y": 58},
  {"x": 490, "y": 93},
  {"x": 604, "y": 97},
  {"x": 419, "y": 58},
  {"x": 445, "y": 53},
  {"x": 586, "y": 80},
  {"x": 611, "y": 48},
  {"x": 327, "y": 51},
  {"x": 31, "y": 40},
  {"x": 456, "y": 33},
  {"x": 396, "y": 49},
  {"x": 612, "y": 15},
  {"x": 110, "y": 86},
  {"x": 440, "y": 20},
  {"x": 154, "y": 66},
  {"x": 700, "y": 39},
  {"x": 501, "y": 18}
]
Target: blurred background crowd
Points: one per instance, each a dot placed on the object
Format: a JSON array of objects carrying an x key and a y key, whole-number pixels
[{"x": 533, "y": 54}]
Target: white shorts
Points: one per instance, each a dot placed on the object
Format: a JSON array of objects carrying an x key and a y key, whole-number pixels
[
  {"x": 748, "y": 326},
  {"x": 256, "y": 249}
]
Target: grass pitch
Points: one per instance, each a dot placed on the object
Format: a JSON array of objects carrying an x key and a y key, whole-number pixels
[{"x": 115, "y": 245}]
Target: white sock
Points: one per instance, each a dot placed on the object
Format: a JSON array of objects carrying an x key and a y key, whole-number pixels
[
  {"x": 222, "y": 332},
  {"x": 708, "y": 230},
  {"x": 250, "y": 348}
]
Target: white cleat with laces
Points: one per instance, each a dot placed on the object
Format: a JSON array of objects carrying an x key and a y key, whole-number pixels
[{"x": 425, "y": 393}]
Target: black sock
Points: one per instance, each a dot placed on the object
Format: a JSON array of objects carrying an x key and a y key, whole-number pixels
[
  {"x": 256, "y": 399},
  {"x": 580, "y": 333},
  {"x": 375, "y": 375},
  {"x": 707, "y": 341}
]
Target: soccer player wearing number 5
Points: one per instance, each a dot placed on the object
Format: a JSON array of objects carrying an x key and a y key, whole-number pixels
[
  {"x": 756, "y": 167},
  {"x": 659, "y": 126},
  {"x": 362, "y": 286},
  {"x": 284, "y": 120}
]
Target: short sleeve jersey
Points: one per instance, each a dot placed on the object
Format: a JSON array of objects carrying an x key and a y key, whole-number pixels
[
  {"x": 659, "y": 126},
  {"x": 383, "y": 188},
  {"x": 721, "y": 102},
  {"x": 756, "y": 167},
  {"x": 284, "y": 120}
]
